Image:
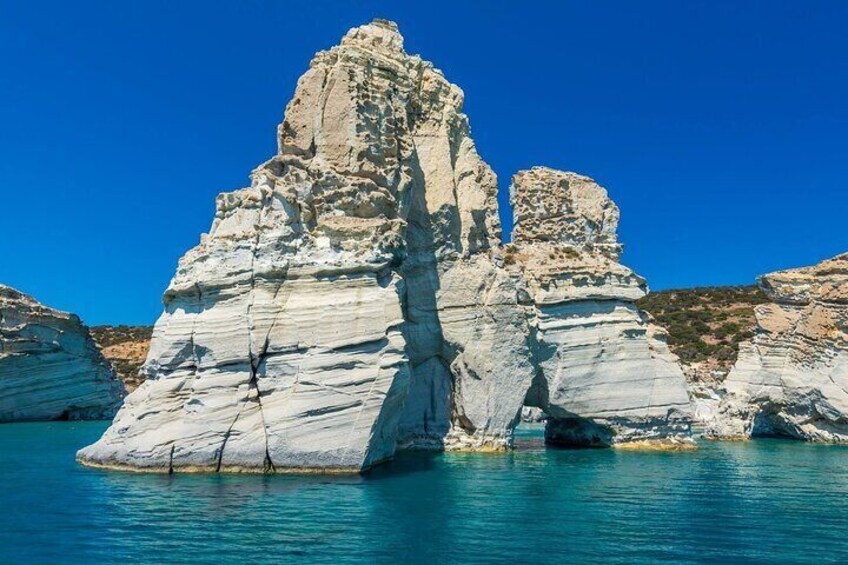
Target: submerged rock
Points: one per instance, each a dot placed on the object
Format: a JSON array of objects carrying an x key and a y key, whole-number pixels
[
  {"x": 357, "y": 297},
  {"x": 791, "y": 379},
  {"x": 50, "y": 367}
]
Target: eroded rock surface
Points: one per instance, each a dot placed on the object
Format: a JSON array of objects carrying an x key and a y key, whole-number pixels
[
  {"x": 283, "y": 343},
  {"x": 357, "y": 297},
  {"x": 792, "y": 378},
  {"x": 604, "y": 374},
  {"x": 50, "y": 367}
]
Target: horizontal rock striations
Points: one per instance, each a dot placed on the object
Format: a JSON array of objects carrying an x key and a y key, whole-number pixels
[
  {"x": 603, "y": 373},
  {"x": 50, "y": 367},
  {"x": 549, "y": 322},
  {"x": 357, "y": 297},
  {"x": 792, "y": 378},
  {"x": 283, "y": 342}
]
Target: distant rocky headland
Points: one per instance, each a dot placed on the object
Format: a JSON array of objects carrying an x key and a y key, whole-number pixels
[
  {"x": 125, "y": 347},
  {"x": 50, "y": 368},
  {"x": 792, "y": 378},
  {"x": 706, "y": 327}
]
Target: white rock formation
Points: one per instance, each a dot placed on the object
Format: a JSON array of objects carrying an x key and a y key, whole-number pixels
[
  {"x": 50, "y": 367},
  {"x": 604, "y": 374},
  {"x": 792, "y": 378},
  {"x": 354, "y": 297},
  {"x": 282, "y": 345}
]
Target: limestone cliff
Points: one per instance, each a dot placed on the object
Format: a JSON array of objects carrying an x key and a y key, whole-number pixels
[
  {"x": 356, "y": 296},
  {"x": 50, "y": 367},
  {"x": 603, "y": 373},
  {"x": 791, "y": 379}
]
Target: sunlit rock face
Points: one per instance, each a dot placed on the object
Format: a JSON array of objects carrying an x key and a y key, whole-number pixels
[
  {"x": 283, "y": 343},
  {"x": 50, "y": 367},
  {"x": 791, "y": 379},
  {"x": 356, "y": 297},
  {"x": 604, "y": 374}
]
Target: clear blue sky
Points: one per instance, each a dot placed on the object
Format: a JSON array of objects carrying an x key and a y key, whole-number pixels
[{"x": 718, "y": 127}]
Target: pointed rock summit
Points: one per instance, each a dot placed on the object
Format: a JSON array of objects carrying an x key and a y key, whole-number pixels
[
  {"x": 356, "y": 297},
  {"x": 50, "y": 368}
]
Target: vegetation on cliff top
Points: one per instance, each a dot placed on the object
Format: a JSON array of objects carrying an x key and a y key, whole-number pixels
[{"x": 708, "y": 323}]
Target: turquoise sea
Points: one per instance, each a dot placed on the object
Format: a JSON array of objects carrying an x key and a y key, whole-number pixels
[{"x": 764, "y": 501}]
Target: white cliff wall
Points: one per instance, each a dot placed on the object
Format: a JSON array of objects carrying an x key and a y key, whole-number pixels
[
  {"x": 49, "y": 366},
  {"x": 606, "y": 376},
  {"x": 791, "y": 379},
  {"x": 283, "y": 343}
]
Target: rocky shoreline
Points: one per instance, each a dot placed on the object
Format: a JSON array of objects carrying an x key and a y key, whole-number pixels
[
  {"x": 50, "y": 368},
  {"x": 791, "y": 379}
]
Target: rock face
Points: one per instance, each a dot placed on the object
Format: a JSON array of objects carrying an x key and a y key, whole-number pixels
[
  {"x": 50, "y": 367},
  {"x": 357, "y": 297},
  {"x": 126, "y": 348},
  {"x": 792, "y": 378},
  {"x": 602, "y": 372},
  {"x": 705, "y": 327}
]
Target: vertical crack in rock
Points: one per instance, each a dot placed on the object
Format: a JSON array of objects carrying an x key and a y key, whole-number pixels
[
  {"x": 226, "y": 438},
  {"x": 363, "y": 405}
]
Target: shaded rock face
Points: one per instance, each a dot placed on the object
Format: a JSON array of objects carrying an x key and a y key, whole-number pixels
[
  {"x": 50, "y": 367},
  {"x": 791, "y": 379},
  {"x": 553, "y": 326},
  {"x": 355, "y": 297}
]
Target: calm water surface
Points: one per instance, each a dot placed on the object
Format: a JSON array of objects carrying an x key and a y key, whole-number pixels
[{"x": 765, "y": 501}]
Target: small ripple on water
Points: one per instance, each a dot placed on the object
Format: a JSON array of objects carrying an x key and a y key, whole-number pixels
[{"x": 767, "y": 501}]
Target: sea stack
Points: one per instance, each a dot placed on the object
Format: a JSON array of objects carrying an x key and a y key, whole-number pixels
[
  {"x": 50, "y": 368},
  {"x": 791, "y": 379},
  {"x": 357, "y": 297},
  {"x": 603, "y": 373}
]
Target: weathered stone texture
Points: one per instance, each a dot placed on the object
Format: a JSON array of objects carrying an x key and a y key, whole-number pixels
[
  {"x": 50, "y": 367},
  {"x": 356, "y": 296},
  {"x": 791, "y": 379}
]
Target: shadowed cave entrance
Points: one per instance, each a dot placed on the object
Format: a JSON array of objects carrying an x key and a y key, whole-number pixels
[{"x": 561, "y": 428}]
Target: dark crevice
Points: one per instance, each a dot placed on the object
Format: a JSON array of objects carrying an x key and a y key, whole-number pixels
[
  {"x": 227, "y": 435},
  {"x": 268, "y": 465},
  {"x": 577, "y": 432}
]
